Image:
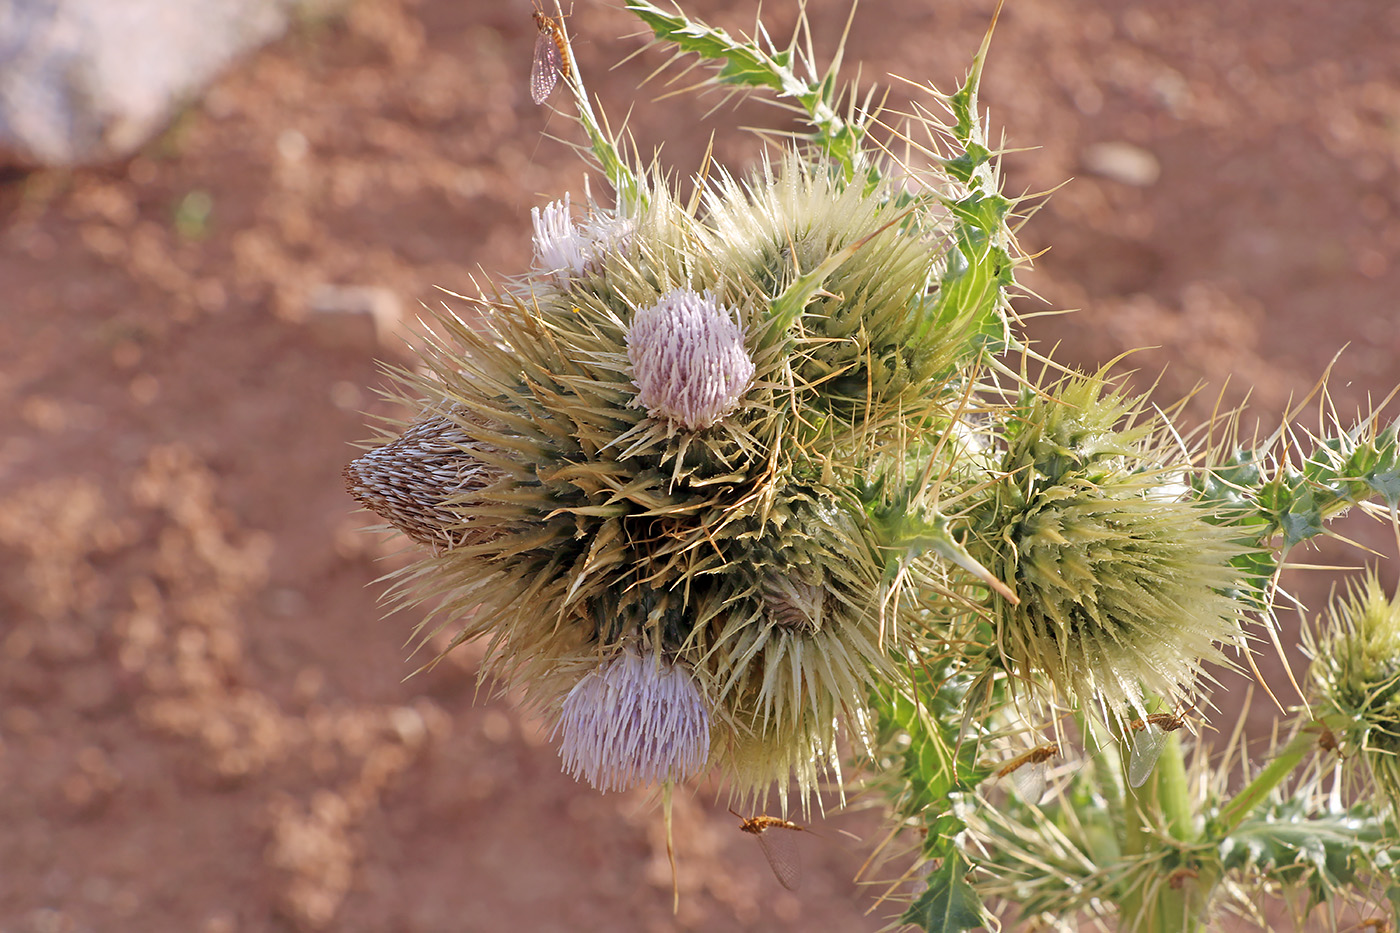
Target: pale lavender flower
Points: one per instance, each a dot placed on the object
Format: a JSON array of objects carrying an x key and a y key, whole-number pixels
[
  {"x": 688, "y": 359},
  {"x": 607, "y": 234},
  {"x": 634, "y": 720},
  {"x": 564, "y": 249}
]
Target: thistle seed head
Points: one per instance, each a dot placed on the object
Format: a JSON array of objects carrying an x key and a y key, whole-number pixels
[
  {"x": 688, "y": 359},
  {"x": 635, "y": 719},
  {"x": 424, "y": 483}
]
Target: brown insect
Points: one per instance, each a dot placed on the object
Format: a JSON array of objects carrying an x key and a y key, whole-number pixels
[
  {"x": 1028, "y": 769},
  {"x": 1376, "y": 925},
  {"x": 551, "y": 57},
  {"x": 1326, "y": 738},
  {"x": 780, "y": 848},
  {"x": 1148, "y": 743},
  {"x": 1178, "y": 878}
]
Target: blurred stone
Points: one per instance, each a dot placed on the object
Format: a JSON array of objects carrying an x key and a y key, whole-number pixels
[
  {"x": 1123, "y": 162},
  {"x": 353, "y": 315},
  {"x": 89, "y": 81}
]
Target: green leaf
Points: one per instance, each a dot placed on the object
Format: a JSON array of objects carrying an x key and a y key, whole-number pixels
[
  {"x": 745, "y": 64},
  {"x": 949, "y": 904}
]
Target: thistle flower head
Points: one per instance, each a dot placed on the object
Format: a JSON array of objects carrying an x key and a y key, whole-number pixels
[
  {"x": 688, "y": 357},
  {"x": 1355, "y": 675},
  {"x": 634, "y": 719},
  {"x": 1123, "y": 586},
  {"x": 559, "y": 247}
]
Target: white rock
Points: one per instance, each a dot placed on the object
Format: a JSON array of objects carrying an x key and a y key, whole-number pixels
[
  {"x": 353, "y": 315},
  {"x": 1123, "y": 162},
  {"x": 88, "y": 81}
]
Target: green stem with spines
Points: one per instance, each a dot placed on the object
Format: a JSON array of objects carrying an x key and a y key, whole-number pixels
[
  {"x": 1279, "y": 767},
  {"x": 747, "y": 65}
]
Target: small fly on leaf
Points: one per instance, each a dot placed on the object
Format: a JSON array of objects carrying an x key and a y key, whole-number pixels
[
  {"x": 775, "y": 837},
  {"x": 1148, "y": 743},
  {"x": 1028, "y": 770},
  {"x": 551, "y": 57}
]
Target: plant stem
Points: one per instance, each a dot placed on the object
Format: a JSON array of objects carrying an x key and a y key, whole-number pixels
[
  {"x": 1232, "y": 814},
  {"x": 1173, "y": 797},
  {"x": 1172, "y": 793},
  {"x": 1166, "y": 796}
]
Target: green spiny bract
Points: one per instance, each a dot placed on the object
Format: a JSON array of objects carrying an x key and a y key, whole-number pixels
[
  {"x": 1355, "y": 675},
  {"x": 572, "y": 527},
  {"x": 1122, "y": 581}
]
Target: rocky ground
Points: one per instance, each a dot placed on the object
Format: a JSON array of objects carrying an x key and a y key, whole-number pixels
[{"x": 205, "y": 724}]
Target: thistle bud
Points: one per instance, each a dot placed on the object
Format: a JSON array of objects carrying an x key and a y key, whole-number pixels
[
  {"x": 635, "y": 719},
  {"x": 1123, "y": 590},
  {"x": 793, "y": 603},
  {"x": 688, "y": 359},
  {"x": 1356, "y": 678}
]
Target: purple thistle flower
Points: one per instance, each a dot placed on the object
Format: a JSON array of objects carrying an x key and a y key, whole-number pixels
[
  {"x": 634, "y": 720},
  {"x": 688, "y": 359}
]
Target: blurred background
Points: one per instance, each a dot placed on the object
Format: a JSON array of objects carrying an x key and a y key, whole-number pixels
[{"x": 206, "y": 724}]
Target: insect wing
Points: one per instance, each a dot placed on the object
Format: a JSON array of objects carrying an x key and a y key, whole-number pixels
[
  {"x": 779, "y": 844},
  {"x": 545, "y": 68},
  {"x": 1030, "y": 780},
  {"x": 1147, "y": 748}
]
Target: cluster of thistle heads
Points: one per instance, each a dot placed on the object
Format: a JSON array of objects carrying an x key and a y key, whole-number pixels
[
  {"x": 642, "y": 486},
  {"x": 719, "y": 470},
  {"x": 676, "y": 501}
]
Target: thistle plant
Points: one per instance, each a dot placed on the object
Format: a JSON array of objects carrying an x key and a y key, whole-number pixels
[
  {"x": 1356, "y": 686},
  {"x": 739, "y": 482}
]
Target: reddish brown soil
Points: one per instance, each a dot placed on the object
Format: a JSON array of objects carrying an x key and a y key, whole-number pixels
[{"x": 204, "y": 722}]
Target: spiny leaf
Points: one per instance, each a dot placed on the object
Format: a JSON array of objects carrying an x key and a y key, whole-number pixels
[
  {"x": 746, "y": 65},
  {"x": 949, "y": 905}
]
